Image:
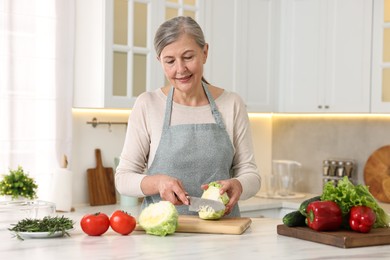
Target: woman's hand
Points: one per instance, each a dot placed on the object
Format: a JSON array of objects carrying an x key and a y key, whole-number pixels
[
  {"x": 169, "y": 188},
  {"x": 233, "y": 189}
]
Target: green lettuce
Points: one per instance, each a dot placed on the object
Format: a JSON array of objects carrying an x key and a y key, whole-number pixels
[
  {"x": 212, "y": 193},
  {"x": 347, "y": 195},
  {"x": 159, "y": 219}
]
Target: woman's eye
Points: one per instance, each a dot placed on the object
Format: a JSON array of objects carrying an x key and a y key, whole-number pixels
[
  {"x": 188, "y": 57},
  {"x": 169, "y": 61}
]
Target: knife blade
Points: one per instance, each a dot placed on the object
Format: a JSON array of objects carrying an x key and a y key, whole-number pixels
[{"x": 197, "y": 203}]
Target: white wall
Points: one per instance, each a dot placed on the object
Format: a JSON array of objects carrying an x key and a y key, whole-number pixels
[{"x": 86, "y": 139}]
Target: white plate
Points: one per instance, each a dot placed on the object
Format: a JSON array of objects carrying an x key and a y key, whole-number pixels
[{"x": 27, "y": 235}]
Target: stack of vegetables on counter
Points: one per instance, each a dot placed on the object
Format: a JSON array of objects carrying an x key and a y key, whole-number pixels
[{"x": 345, "y": 206}]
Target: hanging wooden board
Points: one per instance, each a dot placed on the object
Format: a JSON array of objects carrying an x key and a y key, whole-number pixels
[
  {"x": 340, "y": 238},
  {"x": 101, "y": 185},
  {"x": 377, "y": 174}
]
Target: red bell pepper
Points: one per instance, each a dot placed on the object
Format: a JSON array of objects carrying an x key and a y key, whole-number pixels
[
  {"x": 361, "y": 219},
  {"x": 324, "y": 215}
]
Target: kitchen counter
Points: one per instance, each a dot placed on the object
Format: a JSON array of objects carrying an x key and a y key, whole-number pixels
[
  {"x": 260, "y": 202},
  {"x": 260, "y": 241}
]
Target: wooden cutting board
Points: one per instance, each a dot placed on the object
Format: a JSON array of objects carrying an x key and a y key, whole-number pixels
[
  {"x": 377, "y": 174},
  {"x": 194, "y": 224},
  {"x": 340, "y": 238},
  {"x": 101, "y": 185}
]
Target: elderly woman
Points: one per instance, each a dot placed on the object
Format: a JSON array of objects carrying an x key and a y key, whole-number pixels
[{"x": 183, "y": 136}]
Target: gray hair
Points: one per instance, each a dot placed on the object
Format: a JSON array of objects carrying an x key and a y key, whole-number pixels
[{"x": 171, "y": 30}]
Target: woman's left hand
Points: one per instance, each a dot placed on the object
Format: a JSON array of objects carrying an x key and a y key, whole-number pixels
[{"x": 233, "y": 189}]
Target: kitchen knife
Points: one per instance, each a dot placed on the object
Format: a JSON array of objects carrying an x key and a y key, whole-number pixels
[{"x": 197, "y": 203}]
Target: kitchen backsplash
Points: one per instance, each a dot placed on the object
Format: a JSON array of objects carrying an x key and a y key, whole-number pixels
[
  {"x": 308, "y": 139},
  {"x": 311, "y": 139}
]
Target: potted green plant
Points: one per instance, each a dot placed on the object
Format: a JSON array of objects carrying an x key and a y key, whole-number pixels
[{"x": 17, "y": 184}]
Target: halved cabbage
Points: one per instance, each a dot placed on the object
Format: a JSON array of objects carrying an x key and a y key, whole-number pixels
[
  {"x": 159, "y": 218},
  {"x": 212, "y": 193}
]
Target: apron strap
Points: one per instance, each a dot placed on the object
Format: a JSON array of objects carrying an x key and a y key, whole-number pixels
[
  {"x": 214, "y": 110},
  {"x": 168, "y": 110}
]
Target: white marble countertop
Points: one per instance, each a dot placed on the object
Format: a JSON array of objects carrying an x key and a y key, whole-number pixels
[{"x": 260, "y": 241}]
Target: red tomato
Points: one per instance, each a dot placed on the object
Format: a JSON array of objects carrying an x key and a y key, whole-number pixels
[
  {"x": 122, "y": 222},
  {"x": 95, "y": 224}
]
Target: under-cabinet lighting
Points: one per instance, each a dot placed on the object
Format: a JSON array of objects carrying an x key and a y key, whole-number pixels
[
  {"x": 260, "y": 115},
  {"x": 252, "y": 115},
  {"x": 331, "y": 115},
  {"x": 100, "y": 111}
]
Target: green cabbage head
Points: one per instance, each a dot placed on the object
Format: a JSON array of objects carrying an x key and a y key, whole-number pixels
[
  {"x": 159, "y": 218},
  {"x": 212, "y": 193}
]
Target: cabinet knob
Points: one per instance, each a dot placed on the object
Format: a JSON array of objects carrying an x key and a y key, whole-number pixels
[
  {"x": 326, "y": 107},
  {"x": 320, "y": 107}
]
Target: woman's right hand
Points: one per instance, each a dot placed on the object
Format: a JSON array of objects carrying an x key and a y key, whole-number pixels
[{"x": 169, "y": 188}]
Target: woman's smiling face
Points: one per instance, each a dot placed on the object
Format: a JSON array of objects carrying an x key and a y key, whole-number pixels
[{"x": 183, "y": 62}]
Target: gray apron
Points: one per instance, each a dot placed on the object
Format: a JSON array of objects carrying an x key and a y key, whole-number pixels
[{"x": 193, "y": 153}]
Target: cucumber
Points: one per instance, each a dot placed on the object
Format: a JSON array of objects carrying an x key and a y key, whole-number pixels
[
  {"x": 294, "y": 219},
  {"x": 303, "y": 206}
]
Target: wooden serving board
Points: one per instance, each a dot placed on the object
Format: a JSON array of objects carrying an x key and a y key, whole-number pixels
[
  {"x": 340, "y": 238},
  {"x": 194, "y": 224},
  {"x": 377, "y": 174},
  {"x": 101, "y": 185}
]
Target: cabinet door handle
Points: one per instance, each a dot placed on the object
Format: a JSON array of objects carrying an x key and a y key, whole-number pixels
[
  {"x": 320, "y": 107},
  {"x": 326, "y": 106}
]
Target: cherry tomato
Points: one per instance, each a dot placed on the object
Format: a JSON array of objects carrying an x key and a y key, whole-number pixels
[
  {"x": 95, "y": 224},
  {"x": 122, "y": 222}
]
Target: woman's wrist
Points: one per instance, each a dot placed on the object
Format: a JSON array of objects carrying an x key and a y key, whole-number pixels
[{"x": 149, "y": 184}]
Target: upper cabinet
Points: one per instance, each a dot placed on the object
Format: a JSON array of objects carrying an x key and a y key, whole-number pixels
[
  {"x": 114, "y": 55},
  {"x": 325, "y": 56},
  {"x": 380, "y": 99},
  {"x": 279, "y": 55},
  {"x": 115, "y": 60},
  {"x": 130, "y": 59},
  {"x": 243, "y": 51}
]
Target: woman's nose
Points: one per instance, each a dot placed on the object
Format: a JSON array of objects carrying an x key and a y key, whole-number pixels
[{"x": 181, "y": 67}]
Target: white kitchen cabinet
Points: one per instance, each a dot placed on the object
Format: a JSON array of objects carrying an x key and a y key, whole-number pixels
[
  {"x": 114, "y": 54},
  {"x": 242, "y": 57},
  {"x": 243, "y": 38},
  {"x": 93, "y": 61},
  {"x": 380, "y": 98},
  {"x": 89, "y": 75},
  {"x": 325, "y": 55}
]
